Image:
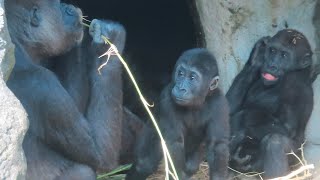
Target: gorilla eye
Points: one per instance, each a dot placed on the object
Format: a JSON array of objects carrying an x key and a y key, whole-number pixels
[
  {"x": 193, "y": 77},
  {"x": 180, "y": 73},
  {"x": 272, "y": 50},
  {"x": 284, "y": 54}
]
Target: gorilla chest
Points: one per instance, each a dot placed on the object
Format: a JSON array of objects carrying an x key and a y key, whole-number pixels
[
  {"x": 263, "y": 97},
  {"x": 194, "y": 123}
]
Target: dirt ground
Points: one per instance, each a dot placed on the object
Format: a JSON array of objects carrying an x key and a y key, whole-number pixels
[{"x": 202, "y": 174}]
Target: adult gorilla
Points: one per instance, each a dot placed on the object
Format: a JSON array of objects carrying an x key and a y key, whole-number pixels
[
  {"x": 271, "y": 101},
  {"x": 75, "y": 114}
]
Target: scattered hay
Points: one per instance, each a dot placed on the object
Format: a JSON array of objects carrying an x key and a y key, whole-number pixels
[
  {"x": 303, "y": 173},
  {"x": 202, "y": 174}
]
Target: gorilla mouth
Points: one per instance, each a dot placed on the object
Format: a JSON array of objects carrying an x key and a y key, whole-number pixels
[
  {"x": 180, "y": 99},
  {"x": 269, "y": 77}
]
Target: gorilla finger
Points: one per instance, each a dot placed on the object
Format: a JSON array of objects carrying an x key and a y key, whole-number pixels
[
  {"x": 95, "y": 31},
  {"x": 238, "y": 150},
  {"x": 246, "y": 168},
  {"x": 241, "y": 160},
  {"x": 110, "y": 30}
]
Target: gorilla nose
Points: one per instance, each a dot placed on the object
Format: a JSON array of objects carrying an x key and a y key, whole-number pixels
[
  {"x": 70, "y": 10},
  {"x": 182, "y": 91},
  {"x": 273, "y": 68}
]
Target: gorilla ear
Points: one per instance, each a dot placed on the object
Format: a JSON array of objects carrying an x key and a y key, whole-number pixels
[
  {"x": 214, "y": 83},
  {"x": 35, "y": 18},
  {"x": 306, "y": 60},
  {"x": 265, "y": 40}
]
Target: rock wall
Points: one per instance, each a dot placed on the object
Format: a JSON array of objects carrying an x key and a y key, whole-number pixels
[
  {"x": 13, "y": 118},
  {"x": 312, "y": 150},
  {"x": 232, "y": 27}
]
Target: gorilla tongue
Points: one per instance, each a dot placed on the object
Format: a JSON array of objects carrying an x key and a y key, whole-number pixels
[{"x": 269, "y": 77}]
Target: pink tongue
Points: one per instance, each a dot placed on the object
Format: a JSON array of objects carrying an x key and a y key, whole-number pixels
[{"x": 269, "y": 77}]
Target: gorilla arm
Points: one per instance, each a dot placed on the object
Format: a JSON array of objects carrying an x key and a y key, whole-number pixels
[
  {"x": 105, "y": 114},
  {"x": 246, "y": 77},
  {"x": 296, "y": 109},
  {"x": 66, "y": 129},
  {"x": 104, "y": 110},
  {"x": 89, "y": 140},
  {"x": 218, "y": 138}
]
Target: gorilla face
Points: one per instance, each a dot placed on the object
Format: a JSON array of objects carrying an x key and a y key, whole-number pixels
[
  {"x": 189, "y": 86},
  {"x": 44, "y": 27},
  {"x": 278, "y": 60},
  {"x": 195, "y": 77},
  {"x": 287, "y": 51}
]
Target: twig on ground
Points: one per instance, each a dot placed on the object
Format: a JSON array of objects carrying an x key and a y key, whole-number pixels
[
  {"x": 296, "y": 173},
  {"x": 248, "y": 174}
]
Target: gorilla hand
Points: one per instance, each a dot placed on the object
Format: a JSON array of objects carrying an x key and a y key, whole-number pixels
[
  {"x": 257, "y": 56},
  {"x": 111, "y": 30}
]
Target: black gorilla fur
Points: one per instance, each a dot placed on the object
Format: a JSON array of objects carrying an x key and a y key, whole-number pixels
[
  {"x": 75, "y": 114},
  {"x": 271, "y": 101},
  {"x": 193, "y": 112}
]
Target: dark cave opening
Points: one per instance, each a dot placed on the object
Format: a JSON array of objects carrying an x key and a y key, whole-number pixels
[{"x": 157, "y": 33}]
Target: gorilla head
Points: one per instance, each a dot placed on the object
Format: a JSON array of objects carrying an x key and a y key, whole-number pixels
[
  {"x": 287, "y": 51},
  {"x": 44, "y": 28},
  {"x": 196, "y": 76}
]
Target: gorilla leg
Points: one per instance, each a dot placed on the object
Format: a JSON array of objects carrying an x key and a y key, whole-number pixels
[
  {"x": 45, "y": 163},
  {"x": 78, "y": 172},
  {"x": 177, "y": 152},
  {"x": 147, "y": 155},
  {"x": 193, "y": 160},
  {"x": 131, "y": 128},
  {"x": 275, "y": 159},
  {"x": 218, "y": 160}
]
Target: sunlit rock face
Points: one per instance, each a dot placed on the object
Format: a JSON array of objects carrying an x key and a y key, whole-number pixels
[
  {"x": 232, "y": 27},
  {"x": 13, "y": 119},
  {"x": 312, "y": 149}
]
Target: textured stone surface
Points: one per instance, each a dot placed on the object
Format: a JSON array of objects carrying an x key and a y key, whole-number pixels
[
  {"x": 232, "y": 27},
  {"x": 7, "y": 48},
  {"x": 312, "y": 150},
  {"x": 13, "y": 119}
]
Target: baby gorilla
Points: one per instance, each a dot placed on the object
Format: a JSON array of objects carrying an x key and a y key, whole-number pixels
[
  {"x": 271, "y": 101},
  {"x": 192, "y": 112}
]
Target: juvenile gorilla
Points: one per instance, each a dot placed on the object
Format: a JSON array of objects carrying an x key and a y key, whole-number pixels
[
  {"x": 271, "y": 101},
  {"x": 75, "y": 114},
  {"x": 193, "y": 111}
]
